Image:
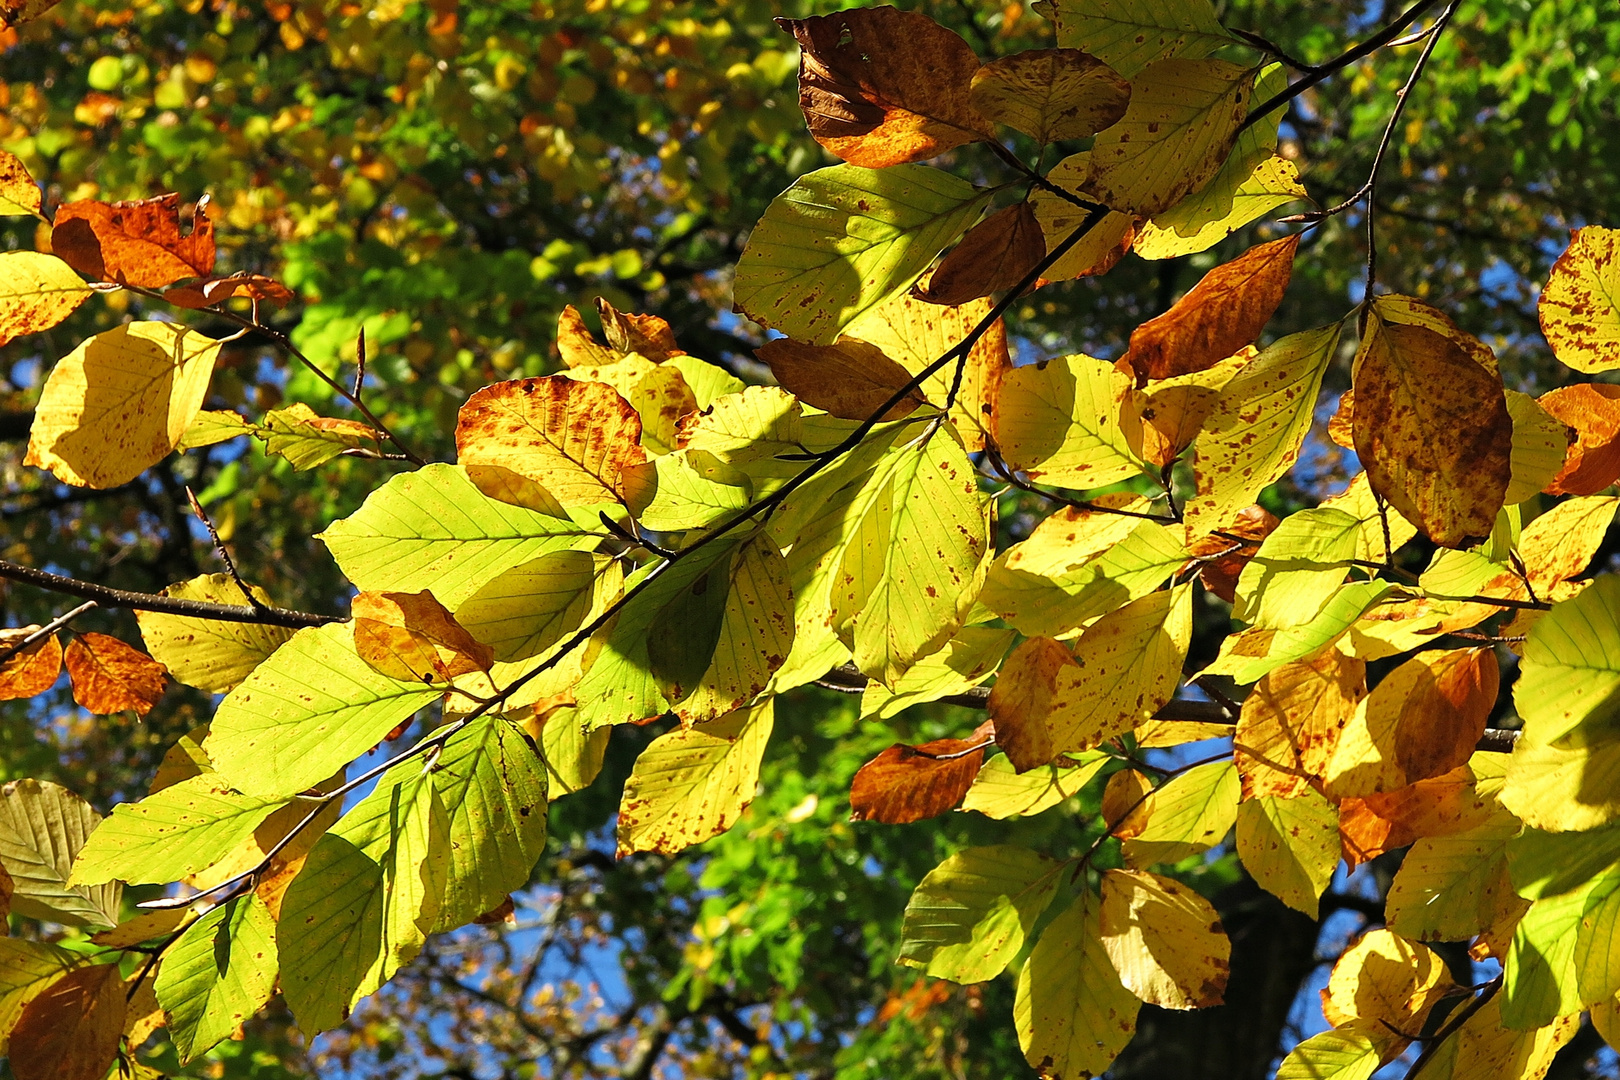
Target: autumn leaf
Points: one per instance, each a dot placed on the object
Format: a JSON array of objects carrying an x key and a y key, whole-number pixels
[
  {"x": 996, "y": 254},
  {"x": 850, "y": 378},
  {"x": 1058, "y": 421},
  {"x": 1291, "y": 723},
  {"x": 1561, "y": 543},
  {"x": 1187, "y": 814},
  {"x": 1124, "y": 803},
  {"x": 1383, "y": 977},
  {"x": 32, "y": 669},
  {"x": 134, "y": 243},
  {"x": 1219, "y": 565},
  {"x": 1580, "y": 304},
  {"x": 645, "y": 335},
  {"x": 109, "y": 676},
  {"x": 882, "y": 87},
  {"x": 37, "y": 291},
  {"x": 1290, "y": 846},
  {"x": 1593, "y": 411},
  {"x": 240, "y": 285},
  {"x": 1164, "y": 419},
  {"x": 972, "y": 913},
  {"x": 1431, "y": 422},
  {"x": 19, "y": 194},
  {"x": 573, "y": 439},
  {"x": 1165, "y": 940},
  {"x": 71, "y": 1030},
  {"x": 911, "y": 783},
  {"x": 120, "y": 402},
  {"x": 1073, "y": 1014},
  {"x": 14, "y": 13},
  {"x": 1129, "y": 34},
  {"x": 307, "y": 440},
  {"x": 412, "y": 636},
  {"x": 1225, "y": 311},
  {"x": 1386, "y": 821},
  {"x": 1102, "y": 247},
  {"x": 577, "y": 345},
  {"x": 1051, "y": 94}
]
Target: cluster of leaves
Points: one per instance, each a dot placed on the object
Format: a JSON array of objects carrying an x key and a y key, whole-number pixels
[{"x": 641, "y": 535}]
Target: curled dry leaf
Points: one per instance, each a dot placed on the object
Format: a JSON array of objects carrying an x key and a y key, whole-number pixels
[
  {"x": 910, "y": 783},
  {"x": 648, "y": 335},
  {"x": 1051, "y": 94},
  {"x": 573, "y": 439},
  {"x": 37, "y": 291},
  {"x": 109, "y": 676},
  {"x": 71, "y": 1030},
  {"x": 881, "y": 87},
  {"x": 207, "y": 293},
  {"x": 577, "y": 345},
  {"x": 14, "y": 13},
  {"x": 1163, "y": 420},
  {"x": 31, "y": 670},
  {"x": 1593, "y": 462},
  {"x": 996, "y": 254},
  {"x": 850, "y": 379},
  {"x": 1580, "y": 305},
  {"x": 134, "y": 243},
  {"x": 1223, "y": 313},
  {"x": 411, "y": 636},
  {"x": 1244, "y": 534}
]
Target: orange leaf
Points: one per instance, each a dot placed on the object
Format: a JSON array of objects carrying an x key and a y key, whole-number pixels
[
  {"x": 411, "y": 636},
  {"x": 576, "y": 343},
  {"x": 33, "y": 669},
  {"x": 1341, "y": 425},
  {"x": 14, "y": 13},
  {"x": 1431, "y": 422},
  {"x": 1163, "y": 420},
  {"x": 880, "y": 86},
  {"x": 1291, "y": 722},
  {"x": 1223, "y": 312},
  {"x": 572, "y": 438},
  {"x": 1593, "y": 410},
  {"x": 1051, "y": 94},
  {"x": 648, "y": 335},
  {"x": 109, "y": 676},
  {"x": 1026, "y": 690},
  {"x": 995, "y": 254},
  {"x": 71, "y": 1030},
  {"x": 1253, "y": 523},
  {"x": 910, "y": 783},
  {"x": 851, "y": 378},
  {"x": 207, "y": 293},
  {"x": 1390, "y": 820},
  {"x": 134, "y": 243},
  {"x": 1124, "y": 803}
]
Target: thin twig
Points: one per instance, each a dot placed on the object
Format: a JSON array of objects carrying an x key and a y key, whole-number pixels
[
  {"x": 45, "y": 631},
  {"x": 1453, "y": 1022},
  {"x": 224, "y": 554},
  {"x": 169, "y": 605},
  {"x": 1266, "y": 45},
  {"x": 1006, "y": 472}
]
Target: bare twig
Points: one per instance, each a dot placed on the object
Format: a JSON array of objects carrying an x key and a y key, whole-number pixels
[
  {"x": 224, "y": 554},
  {"x": 45, "y": 631},
  {"x": 170, "y": 605}
]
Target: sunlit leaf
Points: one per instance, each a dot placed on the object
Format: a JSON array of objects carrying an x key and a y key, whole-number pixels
[
  {"x": 1541, "y": 444},
  {"x": 1452, "y": 887},
  {"x": 1291, "y": 722},
  {"x": 972, "y": 913},
  {"x": 134, "y": 243},
  {"x": 1579, "y": 312},
  {"x": 177, "y": 831},
  {"x": 1129, "y": 35},
  {"x": 1058, "y": 422},
  {"x": 1297, "y": 569},
  {"x": 110, "y": 676},
  {"x": 1051, "y": 94},
  {"x": 1191, "y": 813},
  {"x": 32, "y": 669},
  {"x": 37, "y": 291},
  {"x": 70, "y": 1030},
  {"x": 1164, "y": 939},
  {"x": 1385, "y": 978},
  {"x": 1290, "y": 846},
  {"x": 1353, "y": 1052},
  {"x": 1000, "y": 791},
  {"x": 218, "y": 973},
  {"x": 1100, "y": 248},
  {"x": 1592, "y": 410},
  {"x": 307, "y": 440},
  {"x": 1072, "y": 1013},
  {"x": 910, "y": 783},
  {"x": 851, "y": 378},
  {"x": 43, "y": 826},
  {"x": 19, "y": 194},
  {"x": 1561, "y": 543},
  {"x": 1485, "y": 1046},
  {"x": 995, "y": 255}
]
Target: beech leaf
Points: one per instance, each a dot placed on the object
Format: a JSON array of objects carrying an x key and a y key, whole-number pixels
[{"x": 134, "y": 243}]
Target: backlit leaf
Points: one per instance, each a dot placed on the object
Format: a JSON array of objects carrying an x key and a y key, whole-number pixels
[
  {"x": 42, "y": 828},
  {"x": 1249, "y": 655},
  {"x": 1163, "y": 420},
  {"x": 1058, "y": 422},
  {"x": 999, "y": 791},
  {"x": 1561, "y": 543},
  {"x": 1051, "y": 94},
  {"x": 31, "y": 670},
  {"x": 1072, "y": 1013},
  {"x": 120, "y": 402},
  {"x": 307, "y": 440},
  {"x": 851, "y": 378},
  {"x": 1593, "y": 411},
  {"x": 412, "y": 637},
  {"x": 1439, "y": 806},
  {"x": 1290, "y": 846},
  {"x": 109, "y": 676},
  {"x": 972, "y": 913},
  {"x": 995, "y": 255},
  {"x": 1100, "y": 248},
  {"x": 37, "y": 291},
  {"x": 1541, "y": 972},
  {"x": 134, "y": 243},
  {"x": 529, "y": 608},
  {"x": 1124, "y": 803},
  {"x": 1191, "y": 813},
  {"x": 1485, "y": 1046},
  {"x": 27, "y": 968},
  {"x": 1570, "y": 679},
  {"x": 1353, "y": 1052},
  {"x": 881, "y": 87},
  {"x": 70, "y": 1030},
  {"x": 1130, "y": 34},
  {"x": 1579, "y": 312},
  {"x": 1165, "y": 940},
  {"x": 842, "y": 240},
  {"x": 219, "y": 973},
  {"x": 1291, "y": 722},
  {"x": 205, "y": 653},
  {"x": 1541, "y": 444},
  {"x": 1385, "y": 978},
  {"x": 1297, "y": 569},
  {"x": 966, "y": 661},
  {"x": 910, "y": 783},
  {"x": 1452, "y": 887},
  {"x": 19, "y": 194}
]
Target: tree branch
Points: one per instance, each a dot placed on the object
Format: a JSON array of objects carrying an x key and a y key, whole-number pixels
[{"x": 138, "y": 601}]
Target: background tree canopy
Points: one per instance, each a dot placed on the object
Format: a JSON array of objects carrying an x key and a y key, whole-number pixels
[{"x": 438, "y": 185}]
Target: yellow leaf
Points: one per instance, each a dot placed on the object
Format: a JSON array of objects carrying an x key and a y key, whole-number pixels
[
  {"x": 1179, "y": 128},
  {"x": 1099, "y": 249},
  {"x": 1359, "y": 502},
  {"x": 694, "y": 783},
  {"x": 1129, "y": 34},
  {"x": 37, "y": 291},
  {"x": 212, "y": 426},
  {"x": 1191, "y": 813},
  {"x": 1051, "y": 94},
  {"x": 658, "y": 393},
  {"x": 1456, "y": 886},
  {"x": 120, "y": 402},
  {"x": 1541, "y": 442},
  {"x": 210, "y": 655},
  {"x": 1263, "y": 181},
  {"x": 529, "y": 608},
  {"x": 1252, "y": 653},
  {"x": 1163, "y": 420},
  {"x": 1070, "y": 537},
  {"x": 1072, "y": 1013},
  {"x": 1561, "y": 543},
  {"x": 19, "y": 195},
  {"x": 71, "y": 1030},
  {"x": 1058, "y": 422},
  {"x": 1579, "y": 309},
  {"x": 1291, "y": 722},
  {"x": 966, "y": 661},
  {"x": 1290, "y": 846},
  {"x": 1298, "y": 568},
  {"x": 1484, "y": 1046},
  {"x": 1000, "y": 791},
  {"x": 413, "y": 637},
  {"x": 1384, "y": 977},
  {"x": 969, "y": 916},
  {"x": 1165, "y": 940}
]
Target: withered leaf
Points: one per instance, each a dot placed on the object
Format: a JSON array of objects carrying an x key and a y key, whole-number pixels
[
  {"x": 577, "y": 345},
  {"x": 648, "y": 335},
  {"x": 996, "y": 254},
  {"x": 881, "y": 87},
  {"x": 1593, "y": 410},
  {"x": 850, "y": 379},
  {"x": 71, "y": 1030},
  {"x": 411, "y": 636},
  {"x": 134, "y": 243},
  {"x": 1051, "y": 94},
  {"x": 207, "y": 293},
  {"x": 31, "y": 670},
  {"x": 1341, "y": 425},
  {"x": 1223, "y": 312},
  {"x": 910, "y": 783},
  {"x": 1251, "y": 526},
  {"x": 109, "y": 676}
]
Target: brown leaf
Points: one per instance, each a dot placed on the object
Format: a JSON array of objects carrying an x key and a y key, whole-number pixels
[
  {"x": 1124, "y": 803},
  {"x": 8, "y": 886},
  {"x": 1051, "y": 94},
  {"x": 1341, "y": 425},
  {"x": 850, "y": 379},
  {"x": 134, "y": 243},
  {"x": 1431, "y": 422},
  {"x": 504, "y": 912},
  {"x": 1391, "y": 820},
  {"x": 211, "y": 291},
  {"x": 1291, "y": 722},
  {"x": 576, "y": 343},
  {"x": 1163, "y": 420},
  {"x": 880, "y": 86},
  {"x": 33, "y": 669},
  {"x": 412, "y": 636},
  {"x": 574, "y": 439},
  {"x": 1593, "y": 410},
  {"x": 995, "y": 254},
  {"x": 109, "y": 676},
  {"x": 14, "y": 13},
  {"x": 648, "y": 335},
  {"x": 1253, "y": 524},
  {"x": 1028, "y": 686},
  {"x": 1223, "y": 312},
  {"x": 71, "y": 1030},
  {"x": 910, "y": 783}
]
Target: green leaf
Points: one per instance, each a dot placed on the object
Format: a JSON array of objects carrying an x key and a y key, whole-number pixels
[
  {"x": 1290, "y": 846},
  {"x": 573, "y": 755},
  {"x": 967, "y": 660},
  {"x": 969, "y": 916},
  {"x": 1254, "y": 435},
  {"x": 1298, "y": 567},
  {"x": 1569, "y": 689},
  {"x": 177, "y": 831},
  {"x": 365, "y": 900},
  {"x": 432, "y": 529},
  {"x": 843, "y": 240},
  {"x": 526, "y": 610},
  {"x": 307, "y": 440},
  {"x": 689, "y": 489},
  {"x": 708, "y": 382},
  {"x": 1347, "y": 1053},
  {"x": 1544, "y": 864},
  {"x": 1072, "y": 1013},
  {"x": 26, "y": 969},
  {"x": 694, "y": 783},
  {"x": 1540, "y": 980},
  {"x": 1000, "y": 791},
  {"x": 1058, "y": 421},
  {"x": 493, "y": 786},
  {"x": 209, "y": 655},
  {"x": 305, "y": 713},
  {"x": 1128, "y": 34},
  {"x": 219, "y": 973},
  {"x": 42, "y": 827},
  {"x": 907, "y": 578},
  {"x": 1249, "y": 655},
  {"x": 1191, "y": 813},
  {"x": 1450, "y": 888}
]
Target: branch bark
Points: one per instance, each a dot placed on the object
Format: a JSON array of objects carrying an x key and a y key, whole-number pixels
[{"x": 108, "y": 597}]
